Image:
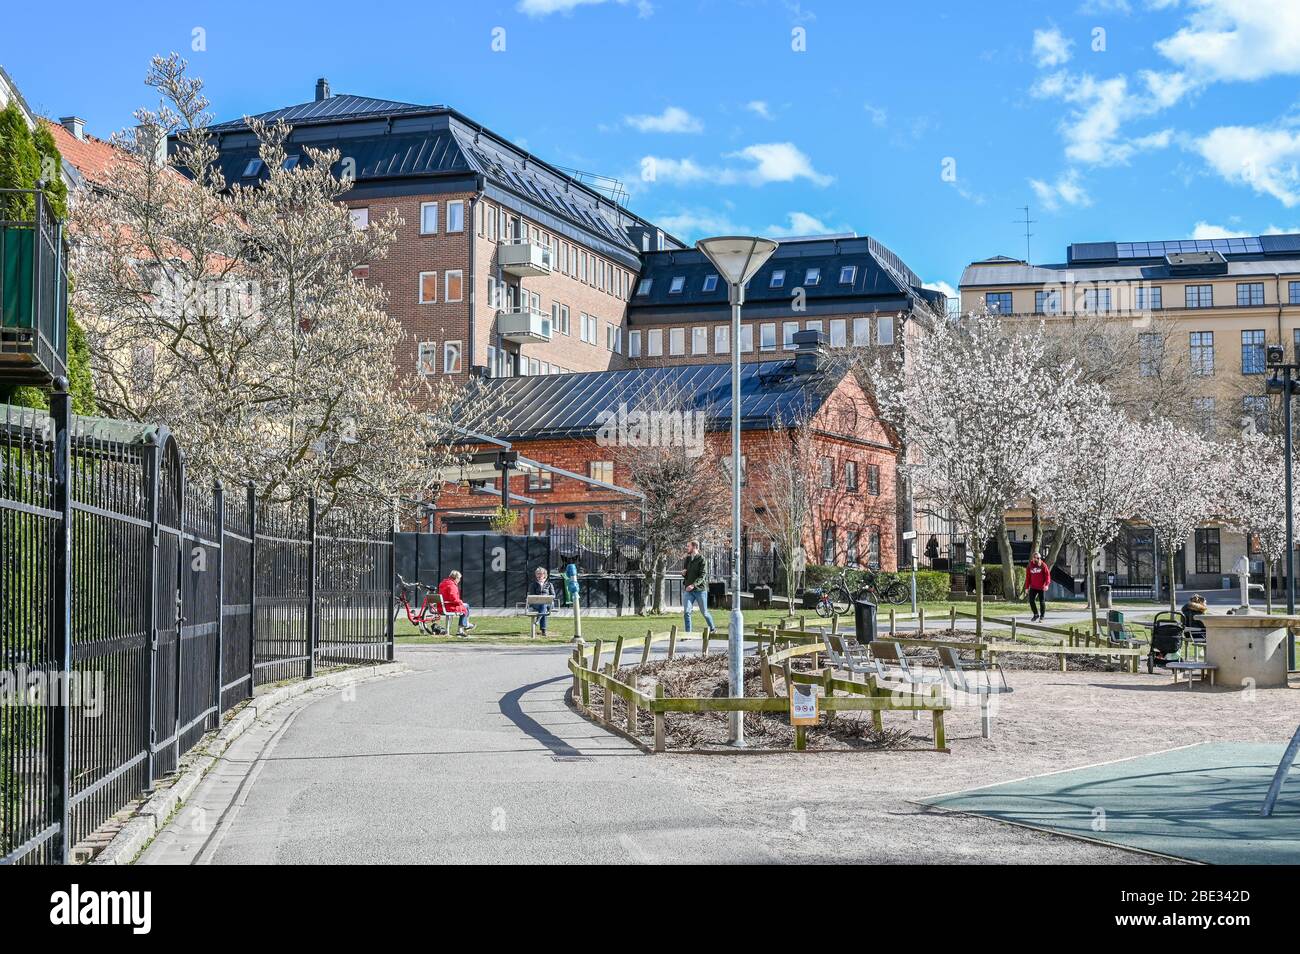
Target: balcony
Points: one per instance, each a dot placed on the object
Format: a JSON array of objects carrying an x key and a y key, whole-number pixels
[
  {"x": 524, "y": 257},
  {"x": 523, "y": 325},
  {"x": 33, "y": 291}
]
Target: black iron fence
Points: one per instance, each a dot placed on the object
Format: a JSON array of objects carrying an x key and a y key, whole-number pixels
[{"x": 135, "y": 609}]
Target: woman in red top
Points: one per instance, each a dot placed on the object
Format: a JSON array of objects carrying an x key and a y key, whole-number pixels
[
  {"x": 1038, "y": 577},
  {"x": 449, "y": 590}
]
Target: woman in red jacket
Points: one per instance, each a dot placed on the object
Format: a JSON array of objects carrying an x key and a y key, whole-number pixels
[
  {"x": 1038, "y": 577},
  {"x": 449, "y": 590}
]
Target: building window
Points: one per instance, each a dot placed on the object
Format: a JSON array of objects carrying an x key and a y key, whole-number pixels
[
  {"x": 1147, "y": 298},
  {"x": 360, "y": 218},
  {"x": 564, "y": 319},
  {"x": 746, "y": 337},
  {"x": 677, "y": 341},
  {"x": 851, "y": 475},
  {"x": 710, "y": 282},
  {"x": 827, "y": 466},
  {"x": 456, "y": 216},
  {"x": 1293, "y": 293},
  {"x": 1252, "y": 351},
  {"x": 767, "y": 337},
  {"x": 1151, "y": 353},
  {"x": 1207, "y": 550},
  {"x": 428, "y": 218},
  {"x": 778, "y": 278},
  {"x": 634, "y": 344},
  {"x": 861, "y": 332},
  {"x": 851, "y": 547},
  {"x": 828, "y": 544},
  {"x": 788, "y": 331},
  {"x": 1199, "y": 296},
  {"x": 1202, "y": 352},
  {"x": 839, "y": 330},
  {"x": 999, "y": 302},
  {"x": 614, "y": 338},
  {"x": 873, "y": 549},
  {"x": 813, "y": 276},
  {"x": 677, "y": 284},
  {"x": 253, "y": 167},
  {"x": 426, "y": 361},
  {"x": 700, "y": 340},
  {"x": 873, "y": 479},
  {"x": 1204, "y": 411},
  {"x": 643, "y": 287},
  {"x": 1047, "y": 302},
  {"x": 654, "y": 342},
  {"x": 454, "y": 286},
  {"x": 885, "y": 330},
  {"x": 428, "y": 287},
  {"x": 1255, "y": 412},
  {"x": 1096, "y": 300},
  {"x": 744, "y": 468},
  {"x": 847, "y": 274},
  {"x": 290, "y": 163},
  {"x": 1250, "y": 293},
  {"x": 601, "y": 470},
  {"x": 451, "y": 357},
  {"x": 539, "y": 480},
  {"x": 722, "y": 339}
]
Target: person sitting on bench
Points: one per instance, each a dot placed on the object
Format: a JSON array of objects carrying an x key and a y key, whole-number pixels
[
  {"x": 541, "y": 585},
  {"x": 449, "y": 590}
]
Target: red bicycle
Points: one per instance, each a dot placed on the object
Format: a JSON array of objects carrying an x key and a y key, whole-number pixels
[{"x": 427, "y": 617}]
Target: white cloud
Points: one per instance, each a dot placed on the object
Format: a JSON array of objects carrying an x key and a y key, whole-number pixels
[
  {"x": 877, "y": 114},
  {"x": 1051, "y": 48},
  {"x": 1204, "y": 230},
  {"x": 779, "y": 162},
  {"x": 941, "y": 286},
  {"x": 759, "y": 107},
  {"x": 1067, "y": 189},
  {"x": 801, "y": 223},
  {"x": 675, "y": 171},
  {"x": 1266, "y": 160},
  {"x": 544, "y": 8},
  {"x": 1093, "y": 128},
  {"x": 692, "y": 224},
  {"x": 1226, "y": 40},
  {"x": 771, "y": 162},
  {"x": 673, "y": 119}
]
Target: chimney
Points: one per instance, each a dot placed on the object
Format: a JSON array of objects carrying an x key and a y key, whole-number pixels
[
  {"x": 810, "y": 352},
  {"x": 322, "y": 89},
  {"x": 75, "y": 125},
  {"x": 150, "y": 138}
]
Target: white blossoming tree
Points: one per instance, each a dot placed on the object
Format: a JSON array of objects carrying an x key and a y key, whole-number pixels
[
  {"x": 1252, "y": 497},
  {"x": 966, "y": 396}
]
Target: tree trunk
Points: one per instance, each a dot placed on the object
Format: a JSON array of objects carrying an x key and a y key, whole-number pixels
[
  {"x": 1173, "y": 589},
  {"x": 979, "y": 593},
  {"x": 1092, "y": 589},
  {"x": 1036, "y": 522},
  {"x": 1268, "y": 584},
  {"x": 1055, "y": 553},
  {"x": 656, "y": 580},
  {"x": 1009, "y": 590}
]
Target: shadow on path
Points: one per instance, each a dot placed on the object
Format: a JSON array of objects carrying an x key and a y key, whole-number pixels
[{"x": 512, "y": 710}]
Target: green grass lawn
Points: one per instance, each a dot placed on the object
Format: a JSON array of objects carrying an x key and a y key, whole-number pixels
[{"x": 514, "y": 629}]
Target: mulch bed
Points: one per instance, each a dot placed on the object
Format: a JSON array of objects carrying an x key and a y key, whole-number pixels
[{"x": 1012, "y": 661}]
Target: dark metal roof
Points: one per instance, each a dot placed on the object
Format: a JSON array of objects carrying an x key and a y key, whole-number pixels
[
  {"x": 1243, "y": 248},
  {"x": 333, "y": 108},
  {"x": 571, "y": 405}
]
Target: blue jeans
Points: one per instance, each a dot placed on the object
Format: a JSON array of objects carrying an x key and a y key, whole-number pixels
[{"x": 689, "y": 599}]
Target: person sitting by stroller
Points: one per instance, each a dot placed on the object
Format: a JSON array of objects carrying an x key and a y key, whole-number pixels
[
  {"x": 541, "y": 585},
  {"x": 449, "y": 591}
]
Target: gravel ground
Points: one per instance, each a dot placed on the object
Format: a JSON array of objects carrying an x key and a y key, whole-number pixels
[{"x": 860, "y": 806}]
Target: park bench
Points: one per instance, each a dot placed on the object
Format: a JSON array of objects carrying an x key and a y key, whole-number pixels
[
  {"x": 892, "y": 665},
  {"x": 1190, "y": 666},
  {"x": 845, "y": 652},
  {"x": 1120, "y": 633},
  {"x": 958, "y": 676}
]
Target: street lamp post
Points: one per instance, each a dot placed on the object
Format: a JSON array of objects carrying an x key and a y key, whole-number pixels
[
  {"x": 1282, "y": 381},
  {"x": 736, "y": 258}
]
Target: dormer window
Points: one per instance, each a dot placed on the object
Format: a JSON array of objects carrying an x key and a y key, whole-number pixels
[
  {"x": 679, "y": 282},
  {"x": 290, "y": 163},
  {"x": 813, "y": 276},
  {"x": 847, "y": 274},
  {"x": 253, "y": 168},
  {"x": 778, "y": 278},
  {"x": 710, "y": 282},
  {"x": 643, "y": 288}
]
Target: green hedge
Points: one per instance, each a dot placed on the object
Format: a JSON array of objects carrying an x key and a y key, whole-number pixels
[{"x": 931, "y": 585}]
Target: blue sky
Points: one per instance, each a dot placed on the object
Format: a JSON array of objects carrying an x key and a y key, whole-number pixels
[{"x": 927, "y": 125}]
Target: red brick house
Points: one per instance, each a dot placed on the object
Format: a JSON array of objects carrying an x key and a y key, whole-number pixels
[{"x": 568, "y": 475}]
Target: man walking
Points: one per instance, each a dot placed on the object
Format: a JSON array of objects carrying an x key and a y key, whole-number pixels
[
  {"x": 1038, "y": 577},
  {"x": 695, "y": 585}
]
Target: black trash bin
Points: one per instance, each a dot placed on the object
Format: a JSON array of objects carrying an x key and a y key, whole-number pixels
[
  {"x": 718, "y": 594},
  {"x": 864, "y": 620}
]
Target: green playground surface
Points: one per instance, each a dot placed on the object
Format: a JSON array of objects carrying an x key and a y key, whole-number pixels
[{"x": 1198, "y": 802}]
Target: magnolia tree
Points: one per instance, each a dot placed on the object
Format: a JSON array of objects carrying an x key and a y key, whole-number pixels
[
  {"x": 969, "y": 397},
  {"x": 1252, "y": 496},
  {"x": 786, "y": 496},
  {"x": 1100, "y": 480},
  {"x": 1179, "y": 497},
  {"x": 233, "y": 314}
]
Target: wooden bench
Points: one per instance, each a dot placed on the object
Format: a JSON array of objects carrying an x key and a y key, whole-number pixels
[{"x": 1190, "y": 666}]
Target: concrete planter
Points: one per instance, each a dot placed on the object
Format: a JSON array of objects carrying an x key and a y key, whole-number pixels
[{"x": 1249, "y": 650}]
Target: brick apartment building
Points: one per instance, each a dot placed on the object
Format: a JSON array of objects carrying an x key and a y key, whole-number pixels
[{"x": 556, "y": 421}]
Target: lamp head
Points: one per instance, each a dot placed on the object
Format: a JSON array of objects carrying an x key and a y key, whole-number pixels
[{"x": 737, "y": 258}]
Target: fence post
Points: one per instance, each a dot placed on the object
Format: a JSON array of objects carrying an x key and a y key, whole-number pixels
[
  {"x": 60, "y": 711},
  {"x": 252, "y": 588},
  {"x": 151, "y": 458},
  {"x": 311, "y": 587},
  {"x": 392, "y": 581},
  {"x": 219, "y": 513}
]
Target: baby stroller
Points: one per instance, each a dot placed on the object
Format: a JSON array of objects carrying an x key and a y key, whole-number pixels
[{"x": 1169, "y": 631}]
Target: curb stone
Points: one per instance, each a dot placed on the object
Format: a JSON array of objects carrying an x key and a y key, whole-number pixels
[{"x": 153, "y": 815}]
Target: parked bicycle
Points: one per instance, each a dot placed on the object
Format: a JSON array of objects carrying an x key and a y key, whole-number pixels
[
  {"x": 837, "y": 596},
  {"x": 428, "y": 613}
]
